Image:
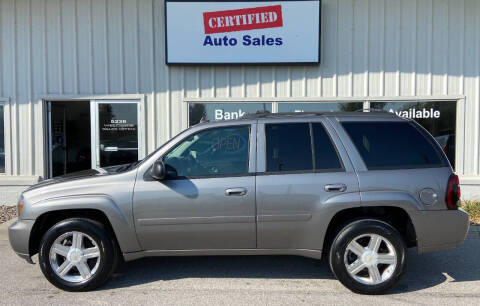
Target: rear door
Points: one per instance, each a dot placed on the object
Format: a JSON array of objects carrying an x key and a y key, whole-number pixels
[{"x": 302, "y": 172}]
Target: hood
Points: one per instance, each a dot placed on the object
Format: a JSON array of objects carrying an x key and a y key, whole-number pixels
[{"x": 80, "y": 175}]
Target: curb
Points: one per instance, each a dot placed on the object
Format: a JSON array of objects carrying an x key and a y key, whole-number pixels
[{"x": 4, "y": 229}]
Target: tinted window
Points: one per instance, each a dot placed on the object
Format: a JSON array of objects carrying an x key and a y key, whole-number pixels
[
  {"x": 438, "y": 118},
  {"x": 289, "y": 147},
  {"x": 326, "y": 157},
  {"x": 319, "y": 107},
  {"x": 390, "y": 145},
  {"x": 223, "y": 111},
  {"x": 220, "y": 151}
]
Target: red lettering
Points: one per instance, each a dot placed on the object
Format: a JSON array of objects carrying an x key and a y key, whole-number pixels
[{"x": 243, "y": 19}]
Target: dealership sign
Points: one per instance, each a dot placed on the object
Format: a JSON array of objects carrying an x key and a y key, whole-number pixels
[{"x": 242, "y": 32}]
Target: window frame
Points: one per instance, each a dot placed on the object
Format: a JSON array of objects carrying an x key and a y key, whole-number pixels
[
  {"x": 416, "y": 127},
  {"x": 248, "y": 173},
  {"x": 312, "y": 146},
  {"x": 3, "y": 103}
]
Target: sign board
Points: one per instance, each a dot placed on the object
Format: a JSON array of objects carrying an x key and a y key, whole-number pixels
[{"x": 242, "y": 32}]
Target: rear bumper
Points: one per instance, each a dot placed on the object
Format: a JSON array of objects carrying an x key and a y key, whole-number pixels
[
  {"x": 440, "y": 230},
  {"x": 19, "y": 236}
]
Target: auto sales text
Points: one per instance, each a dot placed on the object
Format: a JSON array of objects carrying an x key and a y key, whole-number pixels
[{"x": 247, "y": 40}]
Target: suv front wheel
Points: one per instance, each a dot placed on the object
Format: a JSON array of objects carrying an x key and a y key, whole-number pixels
[
  {"x": 368, "y": 256},
  {"x": 77, "y": 254}
]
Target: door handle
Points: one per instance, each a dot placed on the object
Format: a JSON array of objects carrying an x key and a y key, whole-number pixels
[
  {"x": 335, "y": 187},
  {"x": 235, "y": 191}
]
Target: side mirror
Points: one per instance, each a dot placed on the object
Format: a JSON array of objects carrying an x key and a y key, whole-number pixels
[{"x": 158, "y": 170}]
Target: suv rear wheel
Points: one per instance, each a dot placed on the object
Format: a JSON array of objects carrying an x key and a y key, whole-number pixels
[
  {"x": 368, "y": 256},
  {"x": 77, "y": 254}
]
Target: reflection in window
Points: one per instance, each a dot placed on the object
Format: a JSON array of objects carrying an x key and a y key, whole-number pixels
[
  {"x": 289, "y": 147},
  {"x": 319, "y": 107},
  {"x": 223, "y": 111},
  {"x": 218, "y": 151},
  {"x": 393, "y": 145},
  {"x": 2, "y": 141},
  {"x": 438, "y": 118},
  {"x": 118, "y": 133}
]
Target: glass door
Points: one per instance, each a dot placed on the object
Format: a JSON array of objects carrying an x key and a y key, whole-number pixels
[
  {"x": 115, "y": 133},
  {"x": 57, "y": 139}
]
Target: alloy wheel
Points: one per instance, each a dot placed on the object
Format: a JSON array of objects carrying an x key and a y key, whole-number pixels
[
  {"x": 74, "y": 257},
  {"x": 370, "y": 259}
]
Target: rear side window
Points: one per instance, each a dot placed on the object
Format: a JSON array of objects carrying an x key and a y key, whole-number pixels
[
  {"x": 326, "y": 156},
  {"x": 393, "y": 145},
  {"x": 289, "y": 147}
]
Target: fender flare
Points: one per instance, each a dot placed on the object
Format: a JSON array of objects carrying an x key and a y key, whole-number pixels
[{"x": 121, "y": 222}]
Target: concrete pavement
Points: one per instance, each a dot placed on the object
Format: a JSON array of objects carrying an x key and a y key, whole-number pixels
[{"x": 442, "y": 278}]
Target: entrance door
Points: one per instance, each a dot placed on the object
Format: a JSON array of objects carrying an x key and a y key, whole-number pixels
[
  {"x": 115, "y": 133},
  {"x": 68, "y": 137},
  {"x": 58, "y": 141}
]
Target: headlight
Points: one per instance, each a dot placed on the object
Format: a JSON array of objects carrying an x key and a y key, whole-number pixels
[{"x": 19, "y": 206}]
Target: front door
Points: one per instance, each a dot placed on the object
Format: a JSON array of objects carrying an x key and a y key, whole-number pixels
[
  {"x": 207, "y": 200},
  {"x": 116, "y": 137}
]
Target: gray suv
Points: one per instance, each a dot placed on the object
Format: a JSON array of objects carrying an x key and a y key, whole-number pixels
[{"x": 359, "y": 188}]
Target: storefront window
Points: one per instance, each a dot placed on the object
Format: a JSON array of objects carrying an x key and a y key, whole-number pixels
[
  {"x": 223, "y": 111},
  {"x": 2, "y": 141},
  {"x": 118, "y": 133},
  {"x": 439, "y": 118},
  {"x": 319, "y": 107}
]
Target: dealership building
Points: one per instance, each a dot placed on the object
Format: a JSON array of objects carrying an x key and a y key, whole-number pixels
[{"x": 93, "y": 83}]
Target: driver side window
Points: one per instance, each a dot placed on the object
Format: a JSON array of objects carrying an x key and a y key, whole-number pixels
[{"x": 217, "y": 151}]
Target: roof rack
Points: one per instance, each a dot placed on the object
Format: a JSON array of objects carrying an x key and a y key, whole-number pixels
[
  {"x": 267, "y": 114},
  {"x": 372, "y": 110}
]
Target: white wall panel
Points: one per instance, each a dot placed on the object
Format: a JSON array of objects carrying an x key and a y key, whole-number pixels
[{"x": 374, "y": 48}]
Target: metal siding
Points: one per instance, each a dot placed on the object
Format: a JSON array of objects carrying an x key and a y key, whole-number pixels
[{"x": 368, "y": 48}]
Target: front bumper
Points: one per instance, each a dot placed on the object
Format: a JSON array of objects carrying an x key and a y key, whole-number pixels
[
  {"x": 440, "y": 230},
  {"x": 19, "y": 236}
]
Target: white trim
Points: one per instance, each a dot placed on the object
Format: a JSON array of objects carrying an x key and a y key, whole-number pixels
[
  {"x": 469, "y": 180},
  {"x": 7, "y": 180},
  {"x": 46, "y": 97},
  {"x": 325, "y": 99}
]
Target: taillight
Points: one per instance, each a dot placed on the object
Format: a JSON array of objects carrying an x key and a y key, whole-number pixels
[{"x": 453, "y": 192}]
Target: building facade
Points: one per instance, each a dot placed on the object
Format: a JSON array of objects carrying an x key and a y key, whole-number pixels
[{"x": 85, "y": 83}]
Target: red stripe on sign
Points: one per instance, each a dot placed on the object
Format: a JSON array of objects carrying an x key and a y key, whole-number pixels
[{"x": 254, "y": 18}]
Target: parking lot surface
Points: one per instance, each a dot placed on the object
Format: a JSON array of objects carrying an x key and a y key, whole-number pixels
[{"x": 443, "y": 278}]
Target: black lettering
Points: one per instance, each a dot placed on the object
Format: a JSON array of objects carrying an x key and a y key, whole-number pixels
[
  {"x": 247, "y": 40},
  {"x": 278, "y": 41},
  {"x": 217, "y": 41},
  {"x": 208, "y": 41}
]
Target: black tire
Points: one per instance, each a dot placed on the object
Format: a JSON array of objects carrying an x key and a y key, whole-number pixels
[
  {"x": 106, "y": 245},
  {"x": 364, "y": 227}
]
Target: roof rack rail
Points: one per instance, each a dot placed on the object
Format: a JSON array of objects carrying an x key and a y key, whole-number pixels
[
  {"x": 372, "y": 110},
  {"x": 267, "y": 114}
]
